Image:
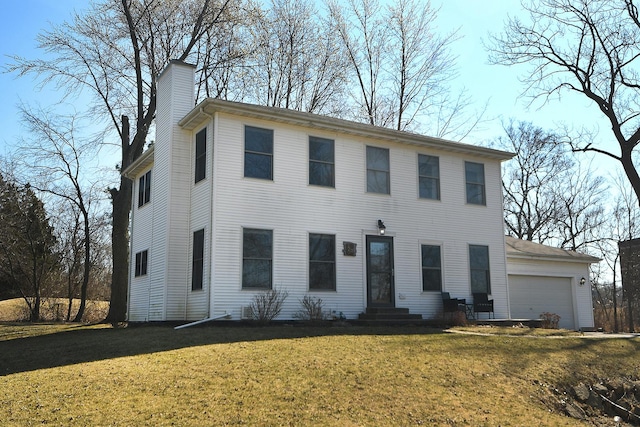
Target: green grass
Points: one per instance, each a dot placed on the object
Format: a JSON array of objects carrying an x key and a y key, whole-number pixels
[{"x": 284, "y": 375}]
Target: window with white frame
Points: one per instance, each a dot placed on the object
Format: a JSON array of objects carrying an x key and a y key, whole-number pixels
[
  {"x": 479, "y": 269},
  {"x": 201, "y": 155},
  {"x": 429, "y": 177},
  {"x": 378, "y": 171},
  {"x": 197, "y": 263},
  {"x": 474, "y": 176},
  {"x": 141, "y": 263},
  {"x": 257, "y": 258},
  {"x": 321, "y": 162},
  {"x": 322, "y": 262},
  {"x": 144, "y": 189},
  {"x": 258, "y": 153},
  {"x": 431, "y": 268}
]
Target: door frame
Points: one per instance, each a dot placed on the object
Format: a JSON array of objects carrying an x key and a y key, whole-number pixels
[{"x": 392, "y": 296}]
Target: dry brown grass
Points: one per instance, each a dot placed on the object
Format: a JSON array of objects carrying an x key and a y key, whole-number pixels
[
  {"x": 52, "y": 310},
  {"x": 331, "y": 376},
  {"x": 515, "y": 331}
]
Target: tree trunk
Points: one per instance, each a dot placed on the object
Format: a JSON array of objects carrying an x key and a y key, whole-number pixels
[
  {"x": 69, "y": 296},
  {"x": 120, "y": 247},
  {"x": 630, "y": 170},
  {"x": 35, "y": 309},
  {"x": 614, "y": 297},
  {"x": 87, "y": 266},
  {"x": 630, "y": 315},
  {"x": 121, "y": 201}
]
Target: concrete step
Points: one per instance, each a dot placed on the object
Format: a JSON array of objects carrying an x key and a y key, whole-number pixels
[{"x": 388, "y": 314}]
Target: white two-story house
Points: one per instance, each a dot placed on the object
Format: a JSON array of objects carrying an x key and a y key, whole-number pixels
[{"x": 233, "y": 199}]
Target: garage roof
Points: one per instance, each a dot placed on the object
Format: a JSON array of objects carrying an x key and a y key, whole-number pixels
[{"x": 518, "y": 248}]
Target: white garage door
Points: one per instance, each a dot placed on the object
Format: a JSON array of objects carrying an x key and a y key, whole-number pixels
[{"x": 532, "y": 295}]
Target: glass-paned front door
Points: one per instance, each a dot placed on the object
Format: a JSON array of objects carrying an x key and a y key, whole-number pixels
[{"x": 380, "y": 290}]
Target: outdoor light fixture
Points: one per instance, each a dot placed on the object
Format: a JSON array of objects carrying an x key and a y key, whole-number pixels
[
  {"x": 583, "y": 281},
  {"x": 381, "y": 227}
]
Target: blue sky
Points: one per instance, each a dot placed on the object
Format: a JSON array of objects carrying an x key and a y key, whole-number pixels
[{"x": 20, "y": 22}]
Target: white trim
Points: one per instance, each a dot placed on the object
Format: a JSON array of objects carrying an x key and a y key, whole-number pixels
[{"x": 331, "y": 124}]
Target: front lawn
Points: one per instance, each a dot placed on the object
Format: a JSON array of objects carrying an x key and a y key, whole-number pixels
[{"x": 293, "y": 375}]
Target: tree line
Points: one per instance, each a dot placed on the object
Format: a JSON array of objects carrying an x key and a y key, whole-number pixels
[{"x": 385, "y": 64}]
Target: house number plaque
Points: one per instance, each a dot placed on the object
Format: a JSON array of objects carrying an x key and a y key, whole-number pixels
[{"x": 349, "y": 248}]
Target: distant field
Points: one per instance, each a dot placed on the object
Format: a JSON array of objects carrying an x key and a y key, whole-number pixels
[
  {"x": 76, "y": 375},
  {"x": 52, "y": 309}
]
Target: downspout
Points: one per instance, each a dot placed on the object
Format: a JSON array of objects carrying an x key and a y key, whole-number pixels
[
  {"x": 210, "y": 257},
  {"x": 198, "y": 322},
  {"x": 133, "y": 209},
  {"x": 506, "y": 270}
]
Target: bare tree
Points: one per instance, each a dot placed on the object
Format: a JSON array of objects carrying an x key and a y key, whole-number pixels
[
  {"x": 295, "y": 60},
  {"x": 585, "y": 47},
  {"x": 582, "y": 209},
  {"x": 531, "y": 181},
  {"x": 400, "y": 67},
  {"x": 623, "y": 224},
  {"x": 58, "y": 164},
  {"x": 222, "y": 51},
  {"x": 548, "y": 197},
  {"x": 420, "y": 63},
  {"x": 114, "y": 51},
  {"x": 364, "y": 34}
]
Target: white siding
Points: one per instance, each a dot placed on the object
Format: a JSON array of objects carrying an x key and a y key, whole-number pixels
[
  {"x": 225, "y": 202},
  {"x": 141, "y": 239},
  {"x": 292, "y": 209},
  {"x": 201, "y": 208},
  {"x": 171, "y": 193}
]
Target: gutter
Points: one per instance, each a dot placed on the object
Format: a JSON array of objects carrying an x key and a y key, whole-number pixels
[{"x": 332, "y": 124}]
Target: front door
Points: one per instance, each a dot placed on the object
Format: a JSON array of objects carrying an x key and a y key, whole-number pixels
[{"x": 380, "y": 289}]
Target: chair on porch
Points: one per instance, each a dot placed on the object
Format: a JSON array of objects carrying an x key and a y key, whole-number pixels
[
  {"x": 482, "y": 304},
  {"x": 452, "y": 305}
]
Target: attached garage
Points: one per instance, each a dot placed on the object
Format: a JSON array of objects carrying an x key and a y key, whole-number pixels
[
  {"x": 543, "y": 279},
  {"x": 533, "y": 295}
]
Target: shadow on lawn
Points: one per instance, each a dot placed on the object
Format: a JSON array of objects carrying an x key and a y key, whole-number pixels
[
  {"x": 569, "y": 358},
  {"x": 81, "y": 344}
]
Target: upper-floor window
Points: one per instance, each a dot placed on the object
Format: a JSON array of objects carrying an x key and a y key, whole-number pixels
[
  {"x": 429, "y": 176},
  {"x": 141, "y": 263},
  {"x": 144, "y": 189},
  {"x": 474, "y": 175},
  {"x": 201, "y": 155},
  {"x": 197, "y": 262},
  {"x": 322, "y": 262},
  {"x": 479, "y": 269},
  {"x": 258, "y": 153},
  {"x": 321, "y": 162},
  {"x": 378, "y": 179},
  {"x": 257, "y": 258},
  {"x": 431, "y": 268}
]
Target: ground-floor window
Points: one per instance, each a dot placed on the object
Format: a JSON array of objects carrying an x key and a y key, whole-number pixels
[
  {"x": 197, "y": 266},
  {"x": 141, "y": 263},
  {"x": 479, "y": 269},
  {"x": 431, "y": 268},
  {"x": 322, "y": 262},
  {"x": 257, "y": 258}
]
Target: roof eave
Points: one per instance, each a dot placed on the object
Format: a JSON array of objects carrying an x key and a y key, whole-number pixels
[
  {"x": 207, "y": 108},
  {"x": 141, "y": 163},
  {"x": 585, "y": 259}
]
